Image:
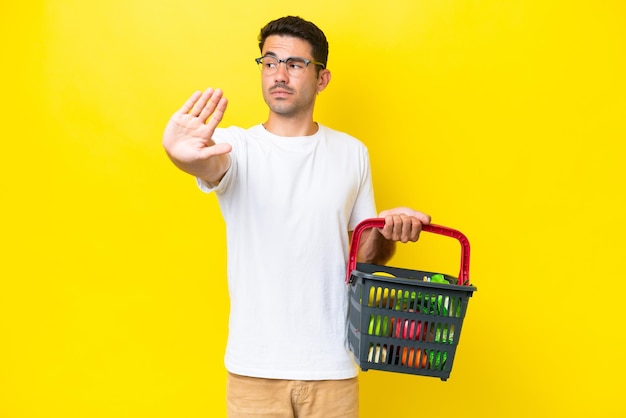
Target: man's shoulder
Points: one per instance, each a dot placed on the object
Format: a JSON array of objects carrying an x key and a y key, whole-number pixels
[{"x": 342, "y": 137}]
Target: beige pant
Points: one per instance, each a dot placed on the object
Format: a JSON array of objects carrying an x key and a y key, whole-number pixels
[{"x": 254, "y": 397}]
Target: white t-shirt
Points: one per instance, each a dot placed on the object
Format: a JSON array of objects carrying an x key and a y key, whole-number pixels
[{"x": 288, "y": 204}]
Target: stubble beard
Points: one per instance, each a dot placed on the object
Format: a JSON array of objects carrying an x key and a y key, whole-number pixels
[
  {"x": 282, "y": 108},
  {"x": 290, "y": 106}
]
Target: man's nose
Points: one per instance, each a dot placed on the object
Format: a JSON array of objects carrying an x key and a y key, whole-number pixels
[{"x": 281, "y": 73}]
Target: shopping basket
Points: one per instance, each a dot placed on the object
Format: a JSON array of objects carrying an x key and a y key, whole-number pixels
[{"x": 411, "y": 322}]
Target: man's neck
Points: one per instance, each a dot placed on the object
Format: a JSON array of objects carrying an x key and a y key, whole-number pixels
[{"x": 290, "y": 127}]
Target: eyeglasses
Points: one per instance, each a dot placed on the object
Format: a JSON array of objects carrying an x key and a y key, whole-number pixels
[{"x": 295, "y": 66}]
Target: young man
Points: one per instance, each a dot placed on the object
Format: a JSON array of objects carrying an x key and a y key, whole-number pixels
[{"x": 291, "y": 191}]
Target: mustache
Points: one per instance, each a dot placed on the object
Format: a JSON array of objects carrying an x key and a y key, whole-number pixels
[{"x": 281, "y": 86}]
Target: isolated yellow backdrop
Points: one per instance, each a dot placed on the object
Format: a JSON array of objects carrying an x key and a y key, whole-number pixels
[{"x": 504, "y": 119}]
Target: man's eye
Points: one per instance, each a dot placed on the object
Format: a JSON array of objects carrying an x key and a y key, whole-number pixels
[{"x": 296, "y": 64}]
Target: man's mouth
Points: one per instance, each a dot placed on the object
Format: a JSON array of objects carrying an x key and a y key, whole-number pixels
[{"x": 280, "y": 90}]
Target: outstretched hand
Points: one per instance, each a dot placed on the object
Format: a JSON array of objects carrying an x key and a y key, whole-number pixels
[{"x": 187, "y": 138}]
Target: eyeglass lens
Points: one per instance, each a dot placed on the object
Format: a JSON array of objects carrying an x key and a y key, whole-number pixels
[{"x": 294, "y": 65}]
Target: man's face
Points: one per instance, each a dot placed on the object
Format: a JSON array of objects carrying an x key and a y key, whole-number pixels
[{"x": 285, "y": 94}]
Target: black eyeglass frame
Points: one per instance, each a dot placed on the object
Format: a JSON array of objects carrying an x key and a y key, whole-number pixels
[{"x": 306, "y": 61}]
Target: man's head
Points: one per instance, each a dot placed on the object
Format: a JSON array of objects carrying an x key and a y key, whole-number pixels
[
  {"x": 290, "y": 89},
  {"x": 298, "y": 28}
]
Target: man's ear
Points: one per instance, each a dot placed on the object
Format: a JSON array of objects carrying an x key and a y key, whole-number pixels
[{"x": 323, "y": 80}]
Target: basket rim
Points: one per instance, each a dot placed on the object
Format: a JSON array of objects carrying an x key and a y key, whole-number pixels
[{"x": 412, "y": 282}]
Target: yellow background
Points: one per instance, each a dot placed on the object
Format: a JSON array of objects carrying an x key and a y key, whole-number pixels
[{"x": 503, "y": 119}]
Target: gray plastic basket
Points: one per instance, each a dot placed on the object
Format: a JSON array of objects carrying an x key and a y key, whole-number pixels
[{"x": 407, "y": 323}]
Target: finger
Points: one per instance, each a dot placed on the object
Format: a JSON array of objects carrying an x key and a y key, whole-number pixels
[
  {"x": 201, "y": 102},
  {"x": 400, "y": 227},
  {"x": 415, "y": 229},
  {"x": 217, "y": 149},
  {"x": 408, "y": 228},
  {"x": 218, "y": 113},
  {"x": 190, "y": 102},
  {"x": 423, "y": 217},
  {"x": 211, "y": 105},
  {"x": 403, "y": 227},
  {"x": 391, "y": 231}
]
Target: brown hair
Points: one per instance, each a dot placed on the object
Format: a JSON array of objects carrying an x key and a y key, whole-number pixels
[{"x": 298, "y": 28}]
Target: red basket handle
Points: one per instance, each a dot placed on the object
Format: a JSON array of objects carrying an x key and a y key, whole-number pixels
[{"x": 436, "y": 229}]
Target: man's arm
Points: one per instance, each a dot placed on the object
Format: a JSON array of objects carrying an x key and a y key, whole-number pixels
[
  {"x": 187, "y": 138},
  {"x": 377, "y": 245}
]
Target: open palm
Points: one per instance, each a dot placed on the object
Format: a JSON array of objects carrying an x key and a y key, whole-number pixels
[{"x": 187, "y": 138}]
